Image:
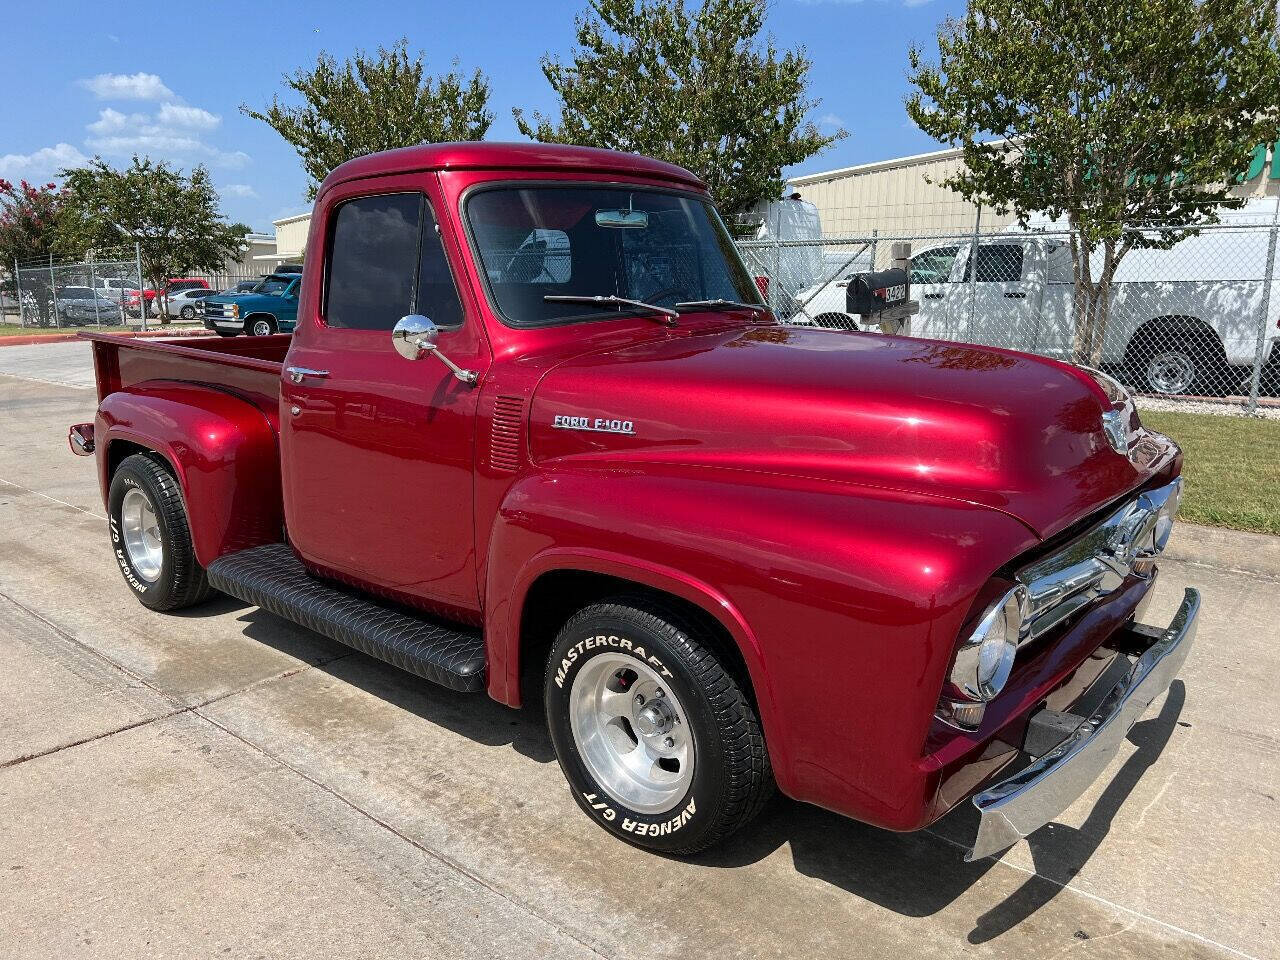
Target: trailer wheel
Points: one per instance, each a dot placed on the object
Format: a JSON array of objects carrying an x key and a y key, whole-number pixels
[
  {"x": 151, "y": 538},
  {"x": 659, "y": 744}
]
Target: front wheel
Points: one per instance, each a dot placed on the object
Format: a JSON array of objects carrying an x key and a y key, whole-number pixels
[
  {"x": 151, "y": 537},
  {"x": 262, "y": 327},
  {"x": 188, "y": 313},
  {"x": 659, "y": 744}
]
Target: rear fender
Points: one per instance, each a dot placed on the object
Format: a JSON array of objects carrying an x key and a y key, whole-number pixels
[{"x": 222, "y": 450}]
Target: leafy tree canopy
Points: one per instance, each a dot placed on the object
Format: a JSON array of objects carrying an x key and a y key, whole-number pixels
[
  {"x": 371, "y": 103},
  {"x": 173, "y": 217},
  {"x": 698, "y": 88},
  {"x": 1131, "y": 118}
]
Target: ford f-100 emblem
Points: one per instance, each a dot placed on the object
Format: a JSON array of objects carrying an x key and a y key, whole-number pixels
[{"x": 593, "y": 424}]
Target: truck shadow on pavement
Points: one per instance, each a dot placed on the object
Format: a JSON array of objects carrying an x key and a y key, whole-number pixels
[
  {"x": 913, "y": 874},
  {"x": 919, "y": 874}
]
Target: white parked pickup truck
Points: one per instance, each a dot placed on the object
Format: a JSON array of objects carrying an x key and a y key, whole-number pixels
[
  {"x": 1180, "y": 320},
  {"x": 1184, "y": 320}
]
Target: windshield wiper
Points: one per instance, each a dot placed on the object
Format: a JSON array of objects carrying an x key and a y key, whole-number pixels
[
  {"x": 615, "y": 301},
  {"x": 714, "y": 304}
]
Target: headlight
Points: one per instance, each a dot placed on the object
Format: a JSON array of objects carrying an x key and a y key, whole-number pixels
[{"x": 985, "y": 659}]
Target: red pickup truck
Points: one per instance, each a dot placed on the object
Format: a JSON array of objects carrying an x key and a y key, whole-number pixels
[{"x": 537, "y": 432}]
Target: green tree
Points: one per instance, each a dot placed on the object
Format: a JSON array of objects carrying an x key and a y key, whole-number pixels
[
  {"x": 1131, "y": 118},
  {"x": 372, "y": 103},
  {"x": 698, "y": 88},
  {"x": 28, "y": 220},
  {"x": 174, "y": 218}
]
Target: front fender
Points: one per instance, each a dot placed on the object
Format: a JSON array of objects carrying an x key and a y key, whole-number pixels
[
  {"x": 222, "y": 450},
  {"x": 845, "y": 602}
]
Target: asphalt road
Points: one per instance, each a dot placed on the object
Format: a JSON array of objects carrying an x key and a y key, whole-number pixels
[{"x": 222, "y": 782}]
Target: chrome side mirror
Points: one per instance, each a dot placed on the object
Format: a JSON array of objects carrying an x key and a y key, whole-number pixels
[{"x": 415, "y": 336}]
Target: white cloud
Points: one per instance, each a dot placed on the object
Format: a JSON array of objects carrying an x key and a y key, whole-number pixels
[
  {"x": 239, "y": 190},
  {"x": 172, "y": 133},
  {"x": 122, "y": 86},
  {"x": 192, "y": 117},
  {"x": 42, "y": 165},
  {"x": 830, "y": 120},
  {"x": 914, "y": 3}
]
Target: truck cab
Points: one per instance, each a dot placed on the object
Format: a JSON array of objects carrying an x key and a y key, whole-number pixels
[
  {"x": 270, "y": 307},
  {"x": 537, "y": 434}
]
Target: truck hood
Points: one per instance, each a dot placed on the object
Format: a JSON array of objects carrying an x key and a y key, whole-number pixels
[{"x": 1009, "y": 431}]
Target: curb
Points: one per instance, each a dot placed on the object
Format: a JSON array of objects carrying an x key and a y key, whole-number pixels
[
  {"x": 1256, "y": 553},
  {"x": 26, "y": 341}
]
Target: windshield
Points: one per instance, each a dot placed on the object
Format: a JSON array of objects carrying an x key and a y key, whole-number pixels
[
  {"x": 641, "y": 244},
  {"x": 273, "y": 286}
]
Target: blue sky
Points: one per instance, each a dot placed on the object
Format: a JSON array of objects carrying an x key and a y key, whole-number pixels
[{"x": 167, "y": 79}]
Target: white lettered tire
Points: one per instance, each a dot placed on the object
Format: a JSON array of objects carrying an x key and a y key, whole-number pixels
[
  {"x": 150, "y": 536},
  {"x": 660, "y": 745}
]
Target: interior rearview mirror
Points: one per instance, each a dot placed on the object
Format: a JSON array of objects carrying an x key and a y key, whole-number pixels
[{"x": 622, "y": 219}]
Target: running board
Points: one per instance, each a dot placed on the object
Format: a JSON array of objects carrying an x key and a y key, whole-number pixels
[{"x": 273, "y": 578}]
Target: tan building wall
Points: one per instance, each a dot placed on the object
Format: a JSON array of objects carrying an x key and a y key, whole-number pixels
[
  {"x": 894, "y": 197},
  {"x": 903, "y": 197},
  {"x": 291, "y": 236}
]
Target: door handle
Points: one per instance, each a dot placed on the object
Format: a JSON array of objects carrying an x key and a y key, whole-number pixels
[
  {"x": 296, "y": 374},
  {"x": 934, "y": 296},
  {"x": 1015, "y": 296}
]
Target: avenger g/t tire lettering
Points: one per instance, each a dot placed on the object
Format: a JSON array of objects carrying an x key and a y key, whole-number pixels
[
  {"x": 659, "y": 744},
  {"x": 150, "y": 536}
]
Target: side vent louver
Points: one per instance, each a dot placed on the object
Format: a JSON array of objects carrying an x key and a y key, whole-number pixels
[{"x": 507, "y": 435}]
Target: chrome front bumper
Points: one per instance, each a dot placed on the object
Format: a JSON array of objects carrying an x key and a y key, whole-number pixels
[{"x": 1022, "y": 804}]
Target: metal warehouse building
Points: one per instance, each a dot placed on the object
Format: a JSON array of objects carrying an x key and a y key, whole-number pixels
[{"x": 904, "y": 198}]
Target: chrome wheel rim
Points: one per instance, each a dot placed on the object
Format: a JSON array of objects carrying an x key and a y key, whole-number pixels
[
  {"x": 188, "y": 313},
  {"x": 261, "y": 329},
  {"x": 632, "y": 733},
  {"x": 141, "y": 532},
  {"x": 1171, "y": 372}
]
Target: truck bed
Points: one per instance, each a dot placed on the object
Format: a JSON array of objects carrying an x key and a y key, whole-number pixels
[{"x": 246, "y": 366}]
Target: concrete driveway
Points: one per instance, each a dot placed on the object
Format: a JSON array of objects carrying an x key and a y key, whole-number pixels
[{"x": 223, "y": 783}]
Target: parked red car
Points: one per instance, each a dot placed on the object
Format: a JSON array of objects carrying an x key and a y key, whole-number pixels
[
  {"x": 174, "y": 285},
  {"x": 536, "y": 424}
]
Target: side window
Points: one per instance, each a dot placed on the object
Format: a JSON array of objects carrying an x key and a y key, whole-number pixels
[
  {"x": 437, "y": 297},
  {"x": 373, "y": 261},
  {"x": 998, "y": 263},
  {"x": 933, "y": 266}
]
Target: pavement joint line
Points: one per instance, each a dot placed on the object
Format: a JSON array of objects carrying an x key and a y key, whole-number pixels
[
  {"x": 52, "y": 383},
  {"x": 169, "y": 698},
  {"x": 1198, "y": 937},
  {"x": 45, "y": 496},
  {"x": 1221, "y": 568},
  {"x": 436, "y": 855}
]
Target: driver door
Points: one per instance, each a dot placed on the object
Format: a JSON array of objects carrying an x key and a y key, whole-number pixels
[{"x": 378, "y": 450}]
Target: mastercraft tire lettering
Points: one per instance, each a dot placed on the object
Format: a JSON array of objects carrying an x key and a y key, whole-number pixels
[{"x": 659, "y": 744}]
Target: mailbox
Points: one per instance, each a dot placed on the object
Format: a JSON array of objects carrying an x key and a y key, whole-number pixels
[{"x": 872, "y": 293}]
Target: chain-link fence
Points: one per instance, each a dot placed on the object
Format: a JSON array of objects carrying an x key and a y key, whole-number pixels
[
  {"x": 105, "y": 292},
  {"x": 1197, "y": 320}
]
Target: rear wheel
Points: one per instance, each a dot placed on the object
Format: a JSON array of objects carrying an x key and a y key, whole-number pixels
[
  {"x": 659, "y": 744},
  {"x": 151, "y": 537},
  {"x": 1176, "y": 361}
]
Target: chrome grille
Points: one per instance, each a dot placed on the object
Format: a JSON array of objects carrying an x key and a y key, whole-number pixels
[{"x": 1096, "y": 563}]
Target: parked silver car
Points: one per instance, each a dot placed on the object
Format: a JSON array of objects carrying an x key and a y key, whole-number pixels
[{"x": 77, "y": 306}]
